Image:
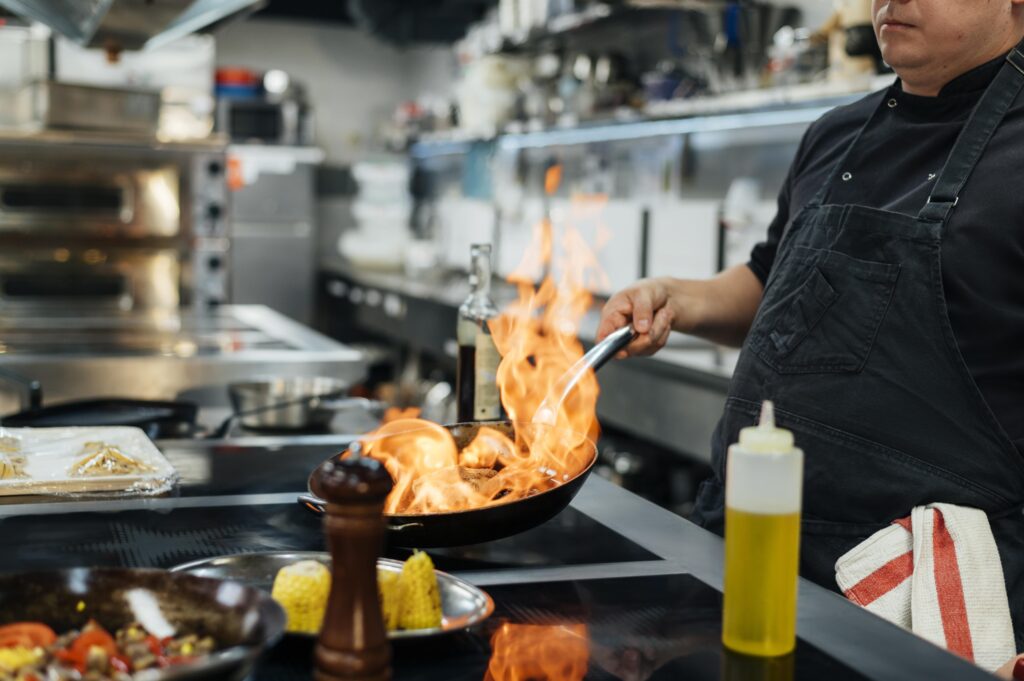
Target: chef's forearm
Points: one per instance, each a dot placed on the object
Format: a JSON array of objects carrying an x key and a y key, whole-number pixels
[{"x": 720, "y": 309}]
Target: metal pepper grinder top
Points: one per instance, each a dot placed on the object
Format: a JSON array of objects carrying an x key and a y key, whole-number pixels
[{"x": 353, "y": 644}]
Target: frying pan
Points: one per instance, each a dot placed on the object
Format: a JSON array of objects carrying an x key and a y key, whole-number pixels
[
  {"x": 473, "y": 526},
  {"x": 157, "y": 419},
  {"x": 242, "y": 620}
]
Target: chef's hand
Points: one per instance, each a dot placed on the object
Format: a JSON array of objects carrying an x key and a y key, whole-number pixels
[
  {"x": 649, "y": 307},
  {"x": 720, "y": 309}
]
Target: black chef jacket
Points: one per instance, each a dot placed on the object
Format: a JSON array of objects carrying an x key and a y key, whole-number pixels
[{"x": 894, "y": 168}]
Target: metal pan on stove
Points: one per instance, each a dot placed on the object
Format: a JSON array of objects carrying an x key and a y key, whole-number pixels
[{"x": 473, "y": 526}]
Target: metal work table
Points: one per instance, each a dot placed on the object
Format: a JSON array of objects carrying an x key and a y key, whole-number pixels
[
  {"x": 159, "y": 356},
  {"x": 642, "y": 580},
  {"x": 673, "y": 399}
]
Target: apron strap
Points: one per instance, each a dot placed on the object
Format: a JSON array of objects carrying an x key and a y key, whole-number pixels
[{"x": 975, "y": 137}]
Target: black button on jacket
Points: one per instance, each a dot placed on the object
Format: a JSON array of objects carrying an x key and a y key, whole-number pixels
[{"x": 894, "y": 168}]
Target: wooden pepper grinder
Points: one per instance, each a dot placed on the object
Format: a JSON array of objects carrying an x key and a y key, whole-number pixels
[{"x": 353, "y": 644}]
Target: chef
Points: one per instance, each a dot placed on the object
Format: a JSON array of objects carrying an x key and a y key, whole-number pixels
[{"x": 884, "y": 314}]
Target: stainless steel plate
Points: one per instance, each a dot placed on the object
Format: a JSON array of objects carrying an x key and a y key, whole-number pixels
[{"x": 462, "y": 604}]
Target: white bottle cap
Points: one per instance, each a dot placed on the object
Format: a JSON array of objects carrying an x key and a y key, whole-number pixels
[{"x": 764, "y": 470}]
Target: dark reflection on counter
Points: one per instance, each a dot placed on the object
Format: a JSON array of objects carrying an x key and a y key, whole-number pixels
[
  {"x": 739, "y": 667},
  {"x": 663, "y": 628}
]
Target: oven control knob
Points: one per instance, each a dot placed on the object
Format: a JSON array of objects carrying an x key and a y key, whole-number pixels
[
  {"x": 215, "y": 168},
  {"x": 214, "y": 211},
  {"x": 214, "y": 263}
]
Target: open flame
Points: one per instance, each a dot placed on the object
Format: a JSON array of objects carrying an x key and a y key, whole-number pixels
[
  {"x": 531, "y": 652},
  {"x": 537, "y": 338}
]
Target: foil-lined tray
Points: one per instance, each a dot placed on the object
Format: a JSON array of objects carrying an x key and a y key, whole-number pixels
[{"x": 74, "y": 461}]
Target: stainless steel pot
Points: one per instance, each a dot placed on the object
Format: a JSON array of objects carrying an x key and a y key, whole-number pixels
[{"x": 293, "y": 403}]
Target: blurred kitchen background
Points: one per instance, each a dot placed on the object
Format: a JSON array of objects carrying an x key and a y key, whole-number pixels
[{"x": 170, "y": 167}]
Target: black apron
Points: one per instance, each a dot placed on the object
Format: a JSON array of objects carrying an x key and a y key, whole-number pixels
[{"x": 853, "y": 343}]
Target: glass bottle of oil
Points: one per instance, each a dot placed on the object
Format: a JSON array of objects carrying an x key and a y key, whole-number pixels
[
  {"x": 476, "y": 391},
  {"x": 764, "y": 482}
]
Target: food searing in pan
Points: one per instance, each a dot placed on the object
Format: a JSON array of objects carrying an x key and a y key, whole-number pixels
[
  {"x": 432, "y": 474},
  {"x": 12, "y": 467},
  {"x": 32, "y": 651},
  {"x": 99, "y": 459}
]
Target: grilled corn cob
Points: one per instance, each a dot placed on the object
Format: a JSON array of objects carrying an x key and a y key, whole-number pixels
[
  {"x": 420, "y": 597},
  {"x": 302, "y": 590},
  {"x": 390, "y": 597}
]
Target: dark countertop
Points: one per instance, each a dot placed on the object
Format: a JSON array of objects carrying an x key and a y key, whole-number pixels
[{"x": 637, "y": 583}]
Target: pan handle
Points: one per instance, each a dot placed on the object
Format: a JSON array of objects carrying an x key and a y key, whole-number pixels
[
  {"x": 316, "y": 504},
  {"x": 597, "y": 357},
  {"x": 32, "y": 397},
  {"x": 313, "y": 503}
]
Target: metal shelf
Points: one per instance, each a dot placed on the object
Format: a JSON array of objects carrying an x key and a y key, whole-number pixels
[{"x": 791, "y": 105}]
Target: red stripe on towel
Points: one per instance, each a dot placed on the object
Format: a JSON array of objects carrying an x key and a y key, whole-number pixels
[
  {"x": 905, "y": 523},
  {"x": 950, "y": 590},
  {"x": 883, "y": 580}
]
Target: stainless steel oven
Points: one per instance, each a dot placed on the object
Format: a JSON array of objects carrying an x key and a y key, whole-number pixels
[{"x": 111, "y": 223}]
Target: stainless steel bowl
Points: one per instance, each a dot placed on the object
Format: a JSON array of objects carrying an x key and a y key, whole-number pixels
[
  {"x": 292, "y": 403},
  {"x": 463, "y": 605}
]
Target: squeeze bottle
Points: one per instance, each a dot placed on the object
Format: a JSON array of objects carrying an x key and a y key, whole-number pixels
[{"x": 763, "y": 486}]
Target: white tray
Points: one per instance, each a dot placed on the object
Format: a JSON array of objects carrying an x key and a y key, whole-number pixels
[{"x": 50, "y": 453}]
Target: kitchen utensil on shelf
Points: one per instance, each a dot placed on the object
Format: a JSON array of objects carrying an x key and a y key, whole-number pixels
[
  {"x": 463, "y": 604},
  {"x": 243, "y": 621},
  {"x": 296, "y": 403}
]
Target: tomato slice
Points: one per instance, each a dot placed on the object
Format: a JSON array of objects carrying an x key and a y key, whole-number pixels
[
  {"x": 154, "y": 645},
  {"x": 38, "y": 633},
  {"x": 93, "y": 635},
  {"x": 16, "y": 641},
  {"x": 70, "y": 659}
]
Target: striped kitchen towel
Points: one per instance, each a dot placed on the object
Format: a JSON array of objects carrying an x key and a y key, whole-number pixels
[{"x": 938, "y": 574}]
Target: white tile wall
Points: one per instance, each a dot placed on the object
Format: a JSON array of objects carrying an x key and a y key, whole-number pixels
[{"x": 683, "y": 239}]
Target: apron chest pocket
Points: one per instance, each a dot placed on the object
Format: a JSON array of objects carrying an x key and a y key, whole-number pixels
[{"x": 822, "y": 312}]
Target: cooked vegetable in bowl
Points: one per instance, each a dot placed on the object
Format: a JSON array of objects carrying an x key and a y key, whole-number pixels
[
  {"x": 32, "y": 651},
  {"x": 117, "y": 625}
]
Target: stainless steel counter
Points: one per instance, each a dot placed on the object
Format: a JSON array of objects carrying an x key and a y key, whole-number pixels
[
  {"x": 158, "y": 356},
  {"x": 673, "y": 399}
]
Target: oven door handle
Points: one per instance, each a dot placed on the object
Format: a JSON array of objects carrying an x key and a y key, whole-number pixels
[{"x": 33, "y": 389}]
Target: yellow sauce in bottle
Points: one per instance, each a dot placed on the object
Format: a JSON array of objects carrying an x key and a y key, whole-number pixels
[{"x": 762, "y": 540}]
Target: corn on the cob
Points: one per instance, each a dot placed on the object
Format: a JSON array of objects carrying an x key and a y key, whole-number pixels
[
  {"x": 408, "y": 600},
  {"x": 302, "y": 590},
  {"x": 390, "y": 597},
  {"x": 420, "y": 597}
]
